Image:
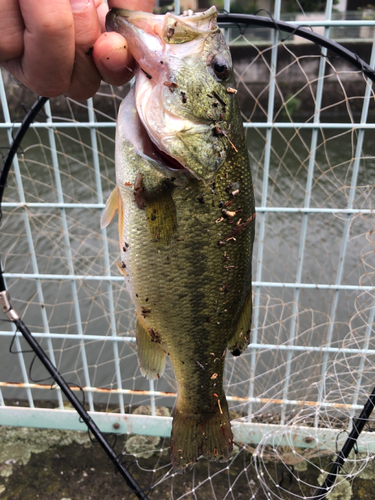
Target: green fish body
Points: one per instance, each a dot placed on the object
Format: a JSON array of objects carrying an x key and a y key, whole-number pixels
[{"x": 186, "y": 217}]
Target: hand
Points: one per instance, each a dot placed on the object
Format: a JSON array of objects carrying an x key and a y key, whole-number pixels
[{"x": 59, "y": 47}]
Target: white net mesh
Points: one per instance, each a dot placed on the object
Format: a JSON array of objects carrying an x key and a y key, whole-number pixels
[{"x": 309, "y": 367}]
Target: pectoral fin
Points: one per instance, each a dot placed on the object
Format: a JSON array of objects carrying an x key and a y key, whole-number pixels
[
  {"x": 151, "y": 356},
  {"x": 110, "y": 209},
  {"x": 161, "y": 213},
  {"x": 241, "y": 338},
  {"x": 120, "y": 218}
]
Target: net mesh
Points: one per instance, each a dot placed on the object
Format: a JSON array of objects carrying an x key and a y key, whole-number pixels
[{"x": 309, "y": 367}]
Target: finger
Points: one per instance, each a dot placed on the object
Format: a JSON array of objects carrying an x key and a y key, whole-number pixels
[
  {"x": 85, "y": 79},
  {"x": 112, "y": 58},
  {"x": 46, "y": 64},
  {"x": 102, "y": 10},
  {"x": 111, "y": 54},
  {"x": 143, "y": 5},
  {"x": 11, "y": 29}
]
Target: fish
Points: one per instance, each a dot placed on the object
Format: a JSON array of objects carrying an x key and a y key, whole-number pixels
[{"x": 186, "y": 217}]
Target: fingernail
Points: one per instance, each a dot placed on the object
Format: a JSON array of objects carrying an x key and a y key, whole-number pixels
[{"x": 79, "y": 5}]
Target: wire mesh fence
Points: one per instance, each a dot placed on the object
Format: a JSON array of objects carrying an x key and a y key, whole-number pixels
[{"x": 309, "y": 118}]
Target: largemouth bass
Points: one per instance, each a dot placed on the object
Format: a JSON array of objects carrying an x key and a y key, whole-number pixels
[{"x": 186, "y": 217}]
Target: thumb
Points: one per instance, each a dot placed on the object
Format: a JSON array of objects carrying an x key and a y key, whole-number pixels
[{"x": 111, "y": 54}]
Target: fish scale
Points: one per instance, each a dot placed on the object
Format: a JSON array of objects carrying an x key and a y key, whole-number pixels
[{"x": 188, "y": 232}]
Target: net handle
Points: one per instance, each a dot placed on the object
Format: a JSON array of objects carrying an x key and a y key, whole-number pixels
[
  {"x": 358, "y": 425},
  {"x": 13, "y": 316}
]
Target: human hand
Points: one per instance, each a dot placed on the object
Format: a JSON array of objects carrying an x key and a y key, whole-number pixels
[{"x": 60, "y": 47}]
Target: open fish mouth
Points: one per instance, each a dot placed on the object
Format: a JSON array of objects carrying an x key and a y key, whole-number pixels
[
  {"x": 152, "y": 37},
  {"x": 180, "y": 116},
  {"x": 133, "y": 132},
  {"x": 187, "y": 26},
  {"x": 177, "y": 140}
]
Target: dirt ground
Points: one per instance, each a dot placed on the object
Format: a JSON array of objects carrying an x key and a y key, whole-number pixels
[{"x": 65, "y": 465}]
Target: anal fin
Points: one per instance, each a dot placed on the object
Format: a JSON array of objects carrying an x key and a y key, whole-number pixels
[
  {"x": 151, "y": 356},
  {"x": 241, "y": 337}
]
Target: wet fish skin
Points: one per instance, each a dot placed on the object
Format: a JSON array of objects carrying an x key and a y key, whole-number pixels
[{"x": 186, "y": 228}]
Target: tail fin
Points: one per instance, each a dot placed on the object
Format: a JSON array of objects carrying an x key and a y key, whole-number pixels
[{"x": 196, "y": 435}]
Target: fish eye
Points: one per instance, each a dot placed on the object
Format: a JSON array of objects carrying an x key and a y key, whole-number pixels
[{"x": 220, "y": 67}]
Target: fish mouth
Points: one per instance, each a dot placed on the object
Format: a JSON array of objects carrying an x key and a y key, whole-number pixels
[
  {"x": 148, "y": 34},
  {"x": 181, "y": 143},
  {"x": 194, "y": 24},
  {"x": 166, "y": 131}
]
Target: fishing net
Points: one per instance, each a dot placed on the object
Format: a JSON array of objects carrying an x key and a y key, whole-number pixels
[{"x": 309, "y": 118}]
